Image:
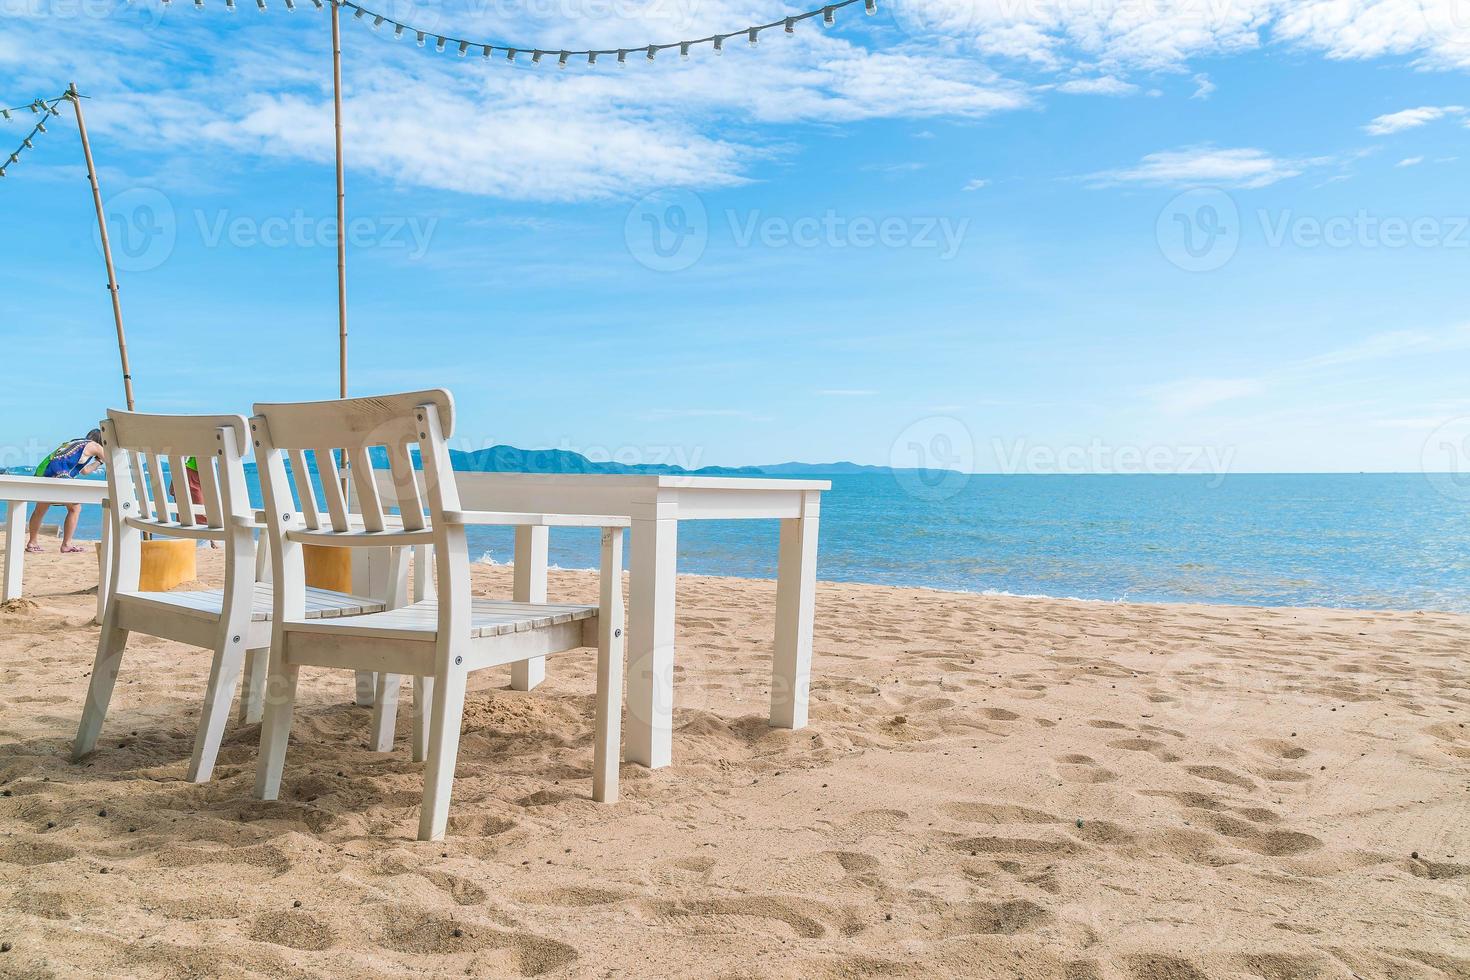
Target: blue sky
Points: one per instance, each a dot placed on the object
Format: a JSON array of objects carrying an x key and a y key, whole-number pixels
[{"x": 1015, "y": 236}]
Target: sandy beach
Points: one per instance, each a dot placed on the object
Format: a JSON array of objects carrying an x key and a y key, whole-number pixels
[{"x": 991, "y": 787}]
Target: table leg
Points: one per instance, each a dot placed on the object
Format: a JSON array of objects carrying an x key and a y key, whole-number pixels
[
  {"x": 530, "y": 586},
  {"x": 15, "y": 547},
  {"x": 796, "y": 580},
  {"x": 653, "y": 566}
]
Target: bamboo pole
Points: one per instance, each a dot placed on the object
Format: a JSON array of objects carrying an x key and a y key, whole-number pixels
[
  {"x": 341, "y": 203},
  {"x": 75, "y": 99}
]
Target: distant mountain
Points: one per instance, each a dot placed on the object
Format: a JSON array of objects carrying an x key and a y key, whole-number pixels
[{"x": 509, "y": 459}]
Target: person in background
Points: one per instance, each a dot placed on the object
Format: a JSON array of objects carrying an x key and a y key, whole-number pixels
[{"x": 77, "y": 457}]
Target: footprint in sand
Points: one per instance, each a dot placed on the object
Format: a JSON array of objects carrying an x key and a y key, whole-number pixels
[
  {"x": 740, "y": 915},
  {"x": 294, "y": 929},
  {"x": 1105, "y": 723},
  {"x": 1281, "y": 748},
  {"x": 997, "y": 813},
  {"x": 1219, "y": 774},
  {"x": 993, "y": 918},
  {"x": 1153, "y": 747},
  {"x": 576, "y": 897},
  {"x": 405, "y": 929},
  {"x": 1082, "y": 769}
]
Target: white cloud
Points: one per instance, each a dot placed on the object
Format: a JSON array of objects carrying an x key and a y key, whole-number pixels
[
  {"x": 1410, "y": 162},
  {"x": 1395, "y": 122},
  {"x": 1104, "y": 85},
  {"x": 977, "y": 184},
  {"x": 1195, "y": 394},
  {"x": 1203, "y": 87},
  {"x": 1167, "y": 33},
  {"x": 1243, "y": 167}
]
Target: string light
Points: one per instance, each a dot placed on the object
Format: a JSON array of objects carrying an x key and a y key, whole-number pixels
[
  {"x": 827, "y": 12},
  {"x": 41, "y": 107}
]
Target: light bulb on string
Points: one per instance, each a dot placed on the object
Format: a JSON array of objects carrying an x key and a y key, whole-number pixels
[
  {"x": 622, "y": 58},
  {"x": 488, "y": 50},
  {"x": 755, "y": 36},
  {"x": 790, "y": 25},
  {"x": 420, "y": 37},
  {"x": 260, "y": 5},
  {"x": 397, "y": 31},
  {"x": 591, "y": 59},
  {"x": 561, "y": 61},
  {"x": 229, "y": 6},
  {"x": 510, "y": 54},
  {"x": 684, "y": 50},
  {"x": 536, "y": 57},
  {"x": 652, "y": 52},
  {"x": 719, "y": 45},
  {"x": 378, "y": 22},
  {"x": 290, "y": 6},
  {"x": 829, "y": 16},
  {"x": 439, "y": 45},
  {"x": 870, "y": 6},
  {"x": 464, "y": 48}
]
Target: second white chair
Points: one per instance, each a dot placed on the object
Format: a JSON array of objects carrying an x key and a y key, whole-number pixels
[{"x": 436, "y": 641}]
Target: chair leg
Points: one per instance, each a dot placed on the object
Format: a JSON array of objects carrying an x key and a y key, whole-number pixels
[
  {"x": 423, "y": 705},
  {"x": 367, "y": 684},
  {"x": 99, "y": 691},
  {"x": 252, "y": 696},
  {"x": 275, "y": 727},
  {"x": 385, "y": 713},
  {"x": 448, "y": 712},
  {"x": 223, "y": 676},
  {"x": 607, "y": 751}
]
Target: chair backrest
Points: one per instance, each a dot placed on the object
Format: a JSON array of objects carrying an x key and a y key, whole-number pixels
[
  {"x": 147, "y": 458},
  {"x": 307, "y": 453}
]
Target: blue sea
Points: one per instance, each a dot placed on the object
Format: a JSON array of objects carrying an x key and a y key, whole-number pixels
[{"x": 1378, "y": 541}]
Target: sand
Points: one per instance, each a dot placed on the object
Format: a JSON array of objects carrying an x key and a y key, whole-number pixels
[{"x": 990, "y": 787}]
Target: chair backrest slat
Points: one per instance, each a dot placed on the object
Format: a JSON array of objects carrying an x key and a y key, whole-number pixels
[
  {"x": 406, "y": 487},
  {"x": 331, "y": 478},
  {"x": 305, "y": 492},
  {"x": 179, "y": 476},
  {"x": 360, "y": 463},
  {"x": 139, "y": 470},
  {"x": 209, "y": 490}
]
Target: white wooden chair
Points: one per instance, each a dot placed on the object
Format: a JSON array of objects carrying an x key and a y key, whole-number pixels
[
  {"x": 439, "y": 640},
  {"x": 232, "y": 621}
]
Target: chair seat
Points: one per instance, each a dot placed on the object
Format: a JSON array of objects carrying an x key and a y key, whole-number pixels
[
  {"x": 209, "y": 603},
  {"x": 420, "y": 621}
]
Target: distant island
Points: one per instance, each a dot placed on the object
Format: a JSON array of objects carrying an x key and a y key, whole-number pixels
[{"x": 509, "y": 459}]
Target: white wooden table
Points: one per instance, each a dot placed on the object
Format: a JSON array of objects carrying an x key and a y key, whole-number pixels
[
  {"x": 18, "y": 493},
  {"x": 656, "y": 505}
]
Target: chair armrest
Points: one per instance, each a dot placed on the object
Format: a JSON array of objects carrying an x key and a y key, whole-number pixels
[{"x": 504, "y": 518}]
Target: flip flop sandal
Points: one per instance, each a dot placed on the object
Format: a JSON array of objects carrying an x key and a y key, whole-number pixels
[
  {"x": 34, "y": 549},
  {"x": 73, "y": 550}
]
